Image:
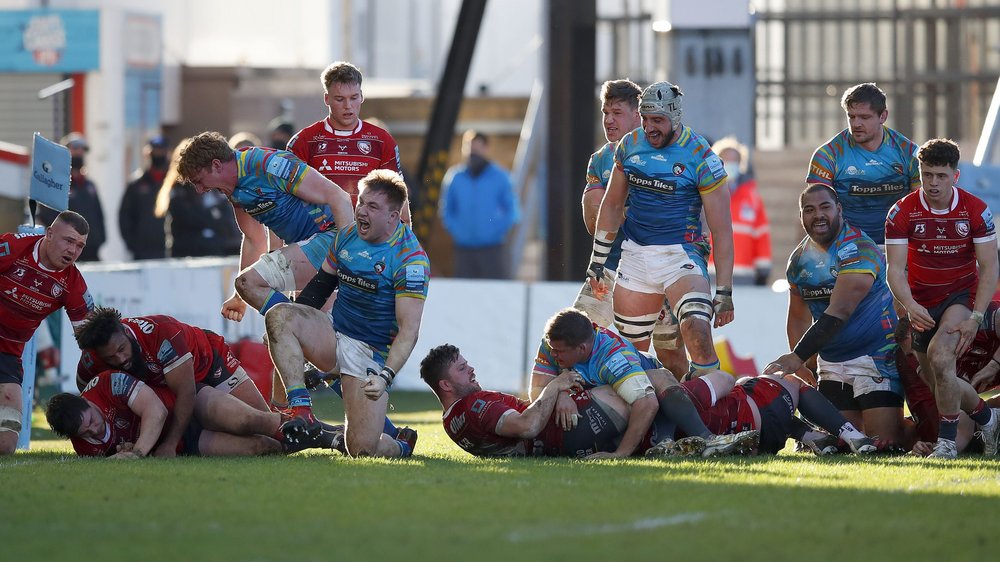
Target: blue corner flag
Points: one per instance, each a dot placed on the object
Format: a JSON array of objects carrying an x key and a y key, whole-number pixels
[{"x": 49, "y": 173}]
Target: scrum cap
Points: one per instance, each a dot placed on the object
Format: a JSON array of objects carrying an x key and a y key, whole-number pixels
[{"x": 662, "y": 98}]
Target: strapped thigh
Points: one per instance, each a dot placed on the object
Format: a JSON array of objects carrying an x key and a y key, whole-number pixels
[{"x": 636, "y": 328}]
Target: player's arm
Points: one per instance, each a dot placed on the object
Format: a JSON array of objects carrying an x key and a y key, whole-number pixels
[
  {"x": 529, "y": 423},
  {"x": 610, "y": 216},
  {"x": 253, "y": 245},
  {"x": 409, "y": 311},
  {"x": 180, "y": 380},
  {"x": 316, "y": 188},
  {"x": 642, "y": 410},
  {"x": 720, "y": 223},
  {"x": 986, "y": 256},
  {"x": 797, "y": 323},
  {"x": 152, "y": 416},
  {"x": 895, "y": 255},
  {"x": 591, "y": 204}
]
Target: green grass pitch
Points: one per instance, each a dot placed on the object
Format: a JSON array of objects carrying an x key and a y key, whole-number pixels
[{"x": 446, "y": 505}]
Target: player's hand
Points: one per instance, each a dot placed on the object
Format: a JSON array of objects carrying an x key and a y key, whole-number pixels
[
  {"x": 920, "y": 319},
  {"x": 806, "y": 375},
  {"x": 922, "y": 448},
  {"x": 599, "y": 288},
  {"x": 566, "y": 412},
  {"x": 125, "y": 455},
  {"x": 786, "y": 364},
  {"x": 723, "y": 305},
  {"x": 234, "y": 308},
  {"x": 981, "y": 380},
  {"x": 569, "y": 380},
  {"x": 165, "y": 450},
  {"x": 601, "y": 455},
  {"x": 374, "y": 387},
  {"x": 966, "y": 330}
]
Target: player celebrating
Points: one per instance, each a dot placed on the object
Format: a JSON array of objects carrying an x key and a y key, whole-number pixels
[
  {"x": 273, "y": 189},
  {"x": 620, "y": 107},
  {"x": 342, "y": 147},
  {"x": 840, "y": 307},
  {"x": 164, "y": 352},
  {"x": 869, "y": 165},
  {"x": 941, "y": 244},
  {"x": 667, "y": 172},
  {"x": 38, "y": 275},
  {"x": 383, "y": 275}
]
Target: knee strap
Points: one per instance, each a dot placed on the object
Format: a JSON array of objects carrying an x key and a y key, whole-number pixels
[
  {"x": 694, "y": 305},
  {"x": 636, "y": 328},
  {"x": 276, "y": 271},
  {"x": 10, "y": 419}
]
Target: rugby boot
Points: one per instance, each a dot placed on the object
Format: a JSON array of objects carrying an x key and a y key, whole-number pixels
[
  {"x": 822, "y": 446},
  {"x": 692, "y": 446},
  {"x": 990, "y": 434},
  {"x": 661, "y": 449},
  {"x": 862, "y": 445},
  {"x": 742, "y": 443},
  {"x": 408, "y": 436},
  {"x": 944, "y": 449},
  {"x": 301, "y": 428}
]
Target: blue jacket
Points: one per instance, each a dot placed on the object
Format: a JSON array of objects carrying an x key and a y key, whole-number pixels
[{"x": 478, "y": 211}]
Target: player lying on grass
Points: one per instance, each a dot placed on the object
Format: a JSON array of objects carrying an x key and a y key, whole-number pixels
[
  {"x": 495, "y": 424},
  {"x": 119, "y": 416},
  {"x": 768, "y": 403},
  {"x": 573, "y": 342},
  {"x": 164, "y": 352}
]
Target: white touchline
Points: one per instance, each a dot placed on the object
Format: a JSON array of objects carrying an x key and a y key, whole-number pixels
[{"x": 644, "y": 524}]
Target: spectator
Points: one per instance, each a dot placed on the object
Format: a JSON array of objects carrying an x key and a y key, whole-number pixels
[
  {"x": 83, "y": 197},
  {"x": 196, "y": 224},
  {"x": 141, "y": 229},
  {"x": 478, "y": 208},
  {"x": 751, "y": 229},
  {"x": 281, "y": 133},
  {"x": 244, "y": 139}
]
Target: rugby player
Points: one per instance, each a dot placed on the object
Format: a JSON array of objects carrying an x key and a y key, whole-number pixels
[
  {"x": 383, "y": 275},
  {"x": 941, "y": 245},
  {"x": 667, "y": 173},
  {"x": 38, "y": 275}
]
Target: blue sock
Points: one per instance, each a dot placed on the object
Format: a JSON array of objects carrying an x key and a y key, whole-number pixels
[
  {"x": 273, "y": 298},
  {"x": 707, "y": 367},
  {"x": 948, "y": 427},
  {"x": 388, "y": 428},
  {"x": 981, "y": 414},
  {"x": 404, "y": 447},
  {"x": 298, "y": 397}
]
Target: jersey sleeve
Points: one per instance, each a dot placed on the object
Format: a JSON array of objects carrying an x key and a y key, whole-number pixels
[
  {"x": 413, "y": 276},
  {"x": 284, "y": 171},
  {"x": 823, "y": 167},
  {"x": 983, "y": 229},
  {"x": 299, "y": 149},
  {"x": 623, "y": 147},
  {"x": 6, "y": 250},
  {"x": 710, "y": 171},
  {"x": 390, "y": 154},
  {"x": 489, "y": 413},
  {"x": 79, "y": 303},
  {"x": 173, "y": 348},
  {"x": 792, "y": 271},
  {"x": 594, "y": 179},
  {"x": 859, "y": 256},
  {"x": 545, "y": 364},
  {"x": 913, "y": 166},
  {"x": 620, "y": 366},
  {"x": 897, "y": 225}
]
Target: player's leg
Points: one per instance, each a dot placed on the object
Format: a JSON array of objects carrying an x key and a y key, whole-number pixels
[
  {"x": 947, "y": 390},
  {"x": 297, "y": 333},
  {"x": 11, "y": 408},
  {"x": 219, "y": 444},
  {"x": 597, "y": 308},
  {"x": 821, "y": 412},
  {"x": 668, "y": 344},
  {"x": 637, "y": 297},
  {"x": 218, "y": 411},
  {"x": 264, "y": 284},
  {"x": 364, "y": 419},
  {"x": 693, "y": 309}
]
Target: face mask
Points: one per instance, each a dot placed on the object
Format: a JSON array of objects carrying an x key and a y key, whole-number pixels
[
  {"x": 158, "y": 161},
  {"x": 733, "y": 171},
  {"x": 75, "y": 162},
  {"x": 476, "y": 164}
]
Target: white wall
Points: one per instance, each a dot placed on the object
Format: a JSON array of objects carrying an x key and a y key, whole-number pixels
[{"x": 496, "y": 324}]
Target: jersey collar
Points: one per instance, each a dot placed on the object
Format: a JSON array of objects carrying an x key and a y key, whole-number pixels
[
  {"x": 337, "y": 132},
  {"x": 954, "y": 202}
]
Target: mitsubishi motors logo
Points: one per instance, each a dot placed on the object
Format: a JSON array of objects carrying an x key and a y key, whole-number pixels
[
  {"x": 325, "y": 167},
  {"x": 12, "y": 293}
]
